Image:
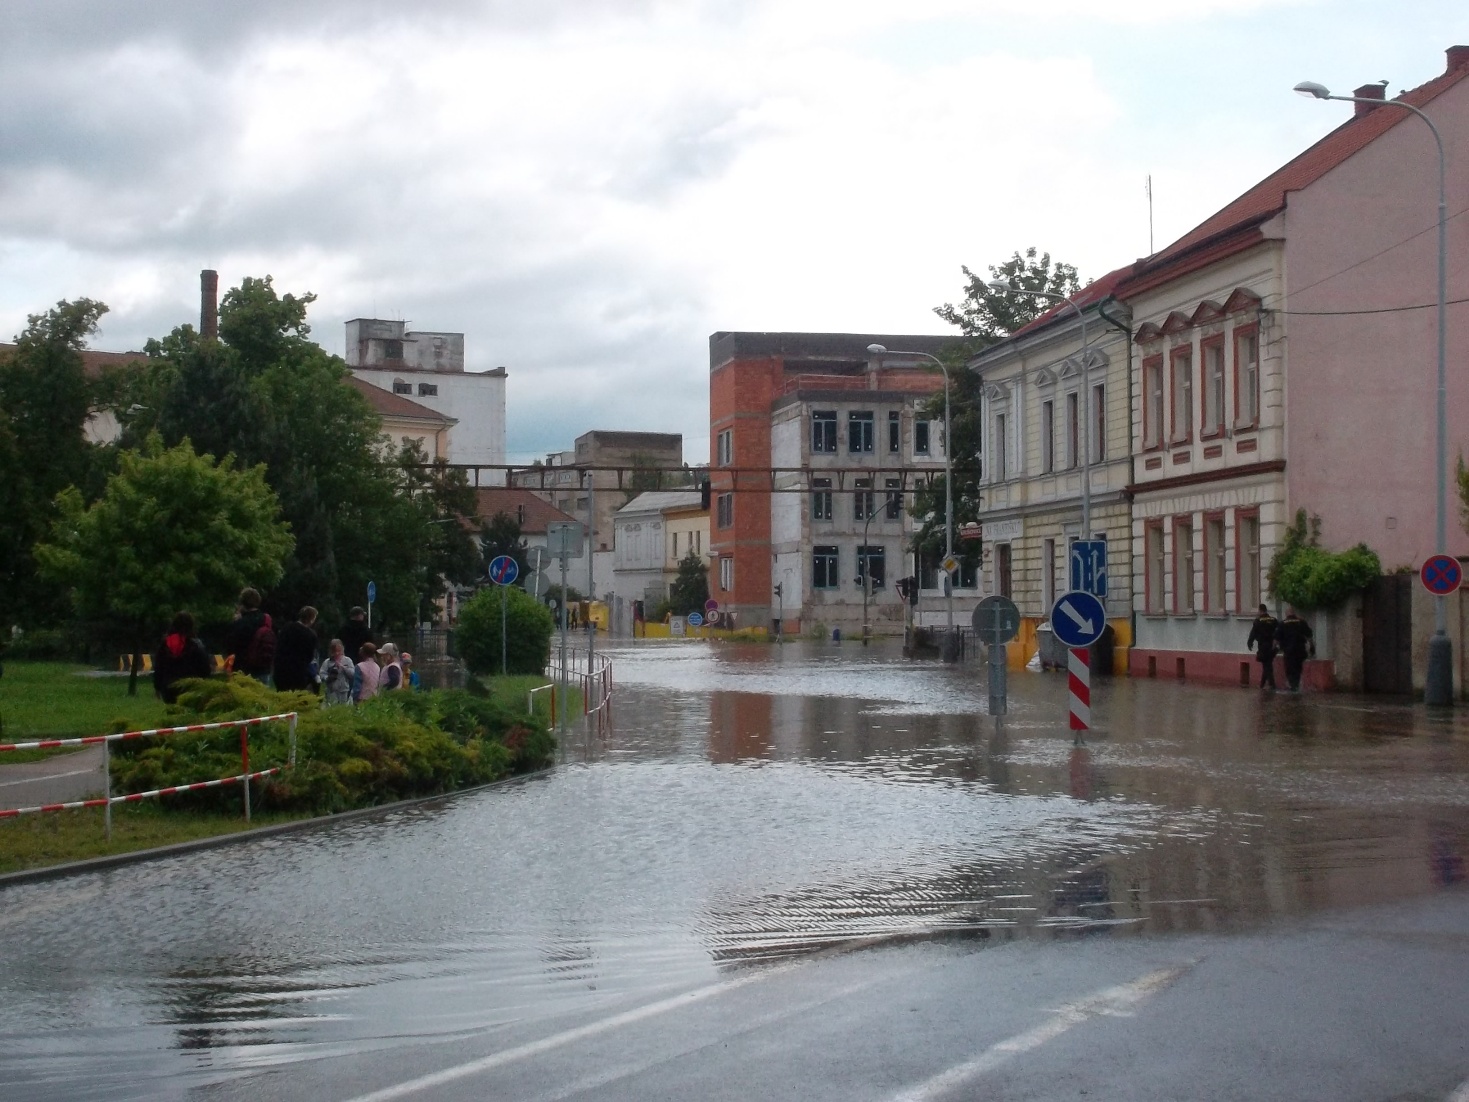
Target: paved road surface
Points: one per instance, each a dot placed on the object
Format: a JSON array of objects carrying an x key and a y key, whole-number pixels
[{"x": 53, "y": 780}]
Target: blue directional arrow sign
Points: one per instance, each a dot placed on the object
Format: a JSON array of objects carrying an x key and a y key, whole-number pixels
[
  {"x": 1089, "y": 567},
  {"x": 1078, "y": 619},
  {"x": 504, "y": 570}
]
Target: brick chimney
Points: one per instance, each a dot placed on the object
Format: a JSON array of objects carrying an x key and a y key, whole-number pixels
[
  {"x": 209, "y": 304},
  {"x": 1458, "y": 57},
  {"x": 1368, "y": 91}
]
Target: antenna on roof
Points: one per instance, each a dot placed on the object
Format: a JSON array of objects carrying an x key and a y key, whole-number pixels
[{"x": 1148, "y": 187}]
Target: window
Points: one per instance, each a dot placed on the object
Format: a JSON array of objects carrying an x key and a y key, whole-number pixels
[
  {"x": 428, "y": 390},
  {"x": 1002, "y": 469},
  {"x": 726, "y": 447},
  {"x": 1246, "y": 378},
  {"x": 821, "y": 499},
  {"x": 824, "y": 568},
  {"x": 928, "y": 571},
  {"x": 872, "y": 561},
  {"x": 1048, "y": 575},
  {"x": 1048, "y": 437},
  {"x": 1002, "y": 569},
  {"x": 675, "y": 547},
  {"x": 401, "y": 387},
  {"x": 1153, "y": 402},
  {"x": 1213, "y": 424},
  {"x": 920, "y": 437},
  {"x": 895, "y": 432},
  {"x": 724, "y": 509},
  {"x": 698, "y": 542},
  {"x": 968, "y": 573},
  {"x": 726, "y": 573},
  {"x": 864, "y": 503},
  {"x": 393, "y": 350},
  {"x": 1099, "y": 422},
  {"x": 1183, "y": 395},
  {"x": 1183, "y": 565},
  {"x": 1214, "y": 565},
  {"x": 1073, "y": 432},
  {"x": 823, "y": 430},
  {"x": 859, "y": 431},
  {"x": 895, "y": 498},
  {"x": 1153, "y": 555},
  {"x": 1247, "y": 561}
]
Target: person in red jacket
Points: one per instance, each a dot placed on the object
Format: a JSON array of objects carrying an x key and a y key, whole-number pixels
[{"x": 180, "y": 655}]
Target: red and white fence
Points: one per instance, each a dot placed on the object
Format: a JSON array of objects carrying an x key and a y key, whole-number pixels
[{"x": 244, "y": 777}]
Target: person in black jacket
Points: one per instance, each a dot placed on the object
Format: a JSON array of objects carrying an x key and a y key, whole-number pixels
[
  {"x": 355, "y": 632},
  {"x": 180, "y": 655},
  {"x": 251, "y": 639},
  {"x": 1262, "y": 642},
  {"x": 295, "y": 653},
  {"x": 1297, "y": 641}
]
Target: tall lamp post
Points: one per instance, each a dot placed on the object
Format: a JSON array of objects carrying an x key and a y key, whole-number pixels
[
  {"x": 1001, "y": 287},
  {"x": 951, "y": 651},
  {"x": 1438, "y": 687}
]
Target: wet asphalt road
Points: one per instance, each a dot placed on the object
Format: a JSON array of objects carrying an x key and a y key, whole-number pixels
[{"x": 808, "y": 873}]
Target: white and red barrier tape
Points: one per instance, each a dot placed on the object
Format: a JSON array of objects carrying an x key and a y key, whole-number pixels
[
  {"x": 93, "y": 740},
  {"x": 133, "y": 797},
  {"x": 1079, "y": 676}
]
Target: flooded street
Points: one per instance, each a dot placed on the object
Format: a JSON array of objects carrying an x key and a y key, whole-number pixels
[{"x": 751, "y": 806}]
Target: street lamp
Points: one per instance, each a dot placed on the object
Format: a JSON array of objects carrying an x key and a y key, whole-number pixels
[
  {"x": 1438, "y": 687},
  {"x": 950, "y": 650},
  {"x": 1000, "y": 286}
]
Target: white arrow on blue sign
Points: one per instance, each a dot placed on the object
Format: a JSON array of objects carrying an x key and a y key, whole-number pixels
[
  {"x": 1078, "y": 619},
  {"x": 1089, "y": 567}
]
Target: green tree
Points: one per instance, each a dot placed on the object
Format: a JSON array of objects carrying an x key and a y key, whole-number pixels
[
  {"x": 1306, "y": 575},
  {"x": 528, "y": 628},
  {"x": 983, "y": 317},
  {"x": 45, "y": 400},
  {"x": 500, "y": 535},
  {"x": 172, "y": 530},
  {"x": 445, "y": 502},
  {"x": 690, "y": 587}
]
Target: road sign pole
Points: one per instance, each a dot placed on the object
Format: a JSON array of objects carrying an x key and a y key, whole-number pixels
[
  {"x": 1079, "y": 676},
  {"x": 563, "y": 642},
  {"x": 504, "y": 648}
]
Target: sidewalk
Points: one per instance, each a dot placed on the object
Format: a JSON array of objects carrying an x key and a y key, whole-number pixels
[{"x": 55, "y": 780}]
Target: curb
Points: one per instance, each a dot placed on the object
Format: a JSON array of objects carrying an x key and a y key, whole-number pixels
[{"x": 99, "y": 864}]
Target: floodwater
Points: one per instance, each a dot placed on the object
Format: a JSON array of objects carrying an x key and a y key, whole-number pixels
[{"x": 750, "y": 804}]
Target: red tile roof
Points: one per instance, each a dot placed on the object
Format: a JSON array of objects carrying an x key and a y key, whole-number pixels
[
  {"x": 510, "y": 500},
  {"x": 94, "y": 362},
  {"x": 1094, "y": 291},
  {"x": 388, "y": 404}
]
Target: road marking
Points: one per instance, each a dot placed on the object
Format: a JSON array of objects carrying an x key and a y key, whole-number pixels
[
  {"x": 1115, "y": 1001},
  {"x": 49, "y": 777}
]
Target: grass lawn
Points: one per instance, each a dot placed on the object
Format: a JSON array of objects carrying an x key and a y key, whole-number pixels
[
  {"x": 36, "y": 841},
  {"x": 50, "y": 700}
]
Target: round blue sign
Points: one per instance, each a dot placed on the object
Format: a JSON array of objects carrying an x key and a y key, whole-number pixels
[
  {"x": 695, "y": 620},
  {"x": 1078, "y": 619},
  {"x": 371, "y": 592},
  {"x": 504, "y": 570}
]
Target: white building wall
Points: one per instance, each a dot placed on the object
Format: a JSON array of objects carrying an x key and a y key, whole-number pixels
[{"x": 475, "y": 399}]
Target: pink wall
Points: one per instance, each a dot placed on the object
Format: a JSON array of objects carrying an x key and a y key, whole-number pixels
[{"x": 1361, "y": 389}]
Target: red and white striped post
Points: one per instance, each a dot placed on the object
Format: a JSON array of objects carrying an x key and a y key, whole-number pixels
[{"x": 1079, "y": 676}]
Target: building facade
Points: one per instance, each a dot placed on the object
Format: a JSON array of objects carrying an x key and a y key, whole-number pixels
[
  {"x": 406, "y": 421},
  {"x": 653, "y": 532}
]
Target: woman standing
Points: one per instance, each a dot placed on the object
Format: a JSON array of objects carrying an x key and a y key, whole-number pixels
[
  {"x": 364, "y": 685},
  {"x": 180, "y": 655}
]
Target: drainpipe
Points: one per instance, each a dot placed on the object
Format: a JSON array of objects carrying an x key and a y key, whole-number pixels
[{"x": 1126, "y": 330}]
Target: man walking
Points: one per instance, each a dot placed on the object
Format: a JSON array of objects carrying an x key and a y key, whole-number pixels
[
  {"x": 1297, "y": 641},
  {"x": 1262, "y": 642},
  {"x": 295, "y": 654},
  {"x": 355, "y": 632}
]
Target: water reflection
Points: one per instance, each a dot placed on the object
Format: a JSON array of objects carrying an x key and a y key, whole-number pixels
[{"x": 749, "y": 804}]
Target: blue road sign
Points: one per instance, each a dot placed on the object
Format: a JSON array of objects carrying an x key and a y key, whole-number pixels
[
  {"x": 1089, "y": 567},
  {"x": 1078, "y": 619},
  {"x": 1441, "y": 575},
  {"x": 371, "y": 592},
  {"x": 695, "y": 620},
  {"x": 504, "y": 570}
]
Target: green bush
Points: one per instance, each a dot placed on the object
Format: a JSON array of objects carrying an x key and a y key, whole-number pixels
[
  {"x": 395, "y": 746},
  {"x": 1306, "y": 575},
  {"x": 528, "y": 628}
]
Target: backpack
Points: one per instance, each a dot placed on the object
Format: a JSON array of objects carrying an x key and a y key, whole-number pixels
[{"x": 260, "y": 654}]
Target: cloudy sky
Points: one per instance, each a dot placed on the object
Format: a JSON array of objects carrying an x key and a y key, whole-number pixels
[{"x": 588, "y": 188}]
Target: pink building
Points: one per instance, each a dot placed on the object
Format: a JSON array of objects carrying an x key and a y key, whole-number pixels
[{"x": 1285, "y": 358}]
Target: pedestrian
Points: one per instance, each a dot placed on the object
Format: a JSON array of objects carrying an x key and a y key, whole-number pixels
[
  {"x": 1262, "y": 642},
  {"x": 355, "y": 632},
  {"x": 1297, "y": 642},
  {"x": 410, "y": 675},
  {"x": 391, "y": 676},
  {"x": 295, "y": 653},
  {"x": 181, "y": 654},
  {"x": 250, "y": 643},
  {"x": 364, "y": 684},
  {"x": 337, "y": 675}
]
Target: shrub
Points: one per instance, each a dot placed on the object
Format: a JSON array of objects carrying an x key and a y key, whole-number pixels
[
  {"x": 528, "y": 628},
  {"x": 1306, "y": 575}
]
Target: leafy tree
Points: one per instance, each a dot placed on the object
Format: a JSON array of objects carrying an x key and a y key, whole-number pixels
[
  {"x": 1306, "y": 575},
  {"x": 528, "y": 628},
  {"x": 500, "y": 535},
  {"x": 690, "y": 587},
  {"x": 173, "y": 530},
  {"x": 983, "y": 317},
  {"x": 445, "y": 502},
  {"x": 45, "y": 399}
]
